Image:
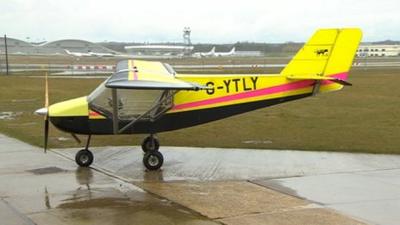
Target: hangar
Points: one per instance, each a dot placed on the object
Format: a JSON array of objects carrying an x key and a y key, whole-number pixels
[{"x": 15, "y": 46}]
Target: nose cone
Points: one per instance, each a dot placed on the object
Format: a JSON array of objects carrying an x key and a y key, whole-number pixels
[{"x": 41, "y": 112}]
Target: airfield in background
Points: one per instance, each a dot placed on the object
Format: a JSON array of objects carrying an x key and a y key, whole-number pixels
[
  {"x": 81, "y": 57},
  {"x": 201, "y": 185},
  {"x": 366, "y": 109}
]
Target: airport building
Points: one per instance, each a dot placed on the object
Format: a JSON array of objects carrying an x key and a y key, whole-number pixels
[
  {"x": 248, "y": 53},
  {"x": 158, "y": 50},
  {"x": 19, "y": 47},
  {"x": 378, "y": 50}
]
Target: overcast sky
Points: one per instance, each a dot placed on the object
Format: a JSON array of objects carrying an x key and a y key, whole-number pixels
[{"x": 217, "y": 21}]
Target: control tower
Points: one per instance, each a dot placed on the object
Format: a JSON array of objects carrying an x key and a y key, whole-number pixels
[
  {"x": 186, "y": 41},
  {"x": 186, "y": 36}
]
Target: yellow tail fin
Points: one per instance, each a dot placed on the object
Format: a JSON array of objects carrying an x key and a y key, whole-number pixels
[{"x": 326, "y": 57}]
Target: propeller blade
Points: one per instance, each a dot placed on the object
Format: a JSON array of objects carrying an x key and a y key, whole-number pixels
[
  {"x": 46, "y": 92},
  {"x": 46, "y": 117}
]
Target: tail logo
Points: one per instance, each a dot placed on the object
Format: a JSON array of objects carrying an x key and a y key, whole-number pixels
[{"x": 322, "y": 52}]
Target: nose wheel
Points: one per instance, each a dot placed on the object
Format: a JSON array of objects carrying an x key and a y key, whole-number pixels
[
  {"x": 152, "y": 159},
  {"x": 84, "y": 158}
]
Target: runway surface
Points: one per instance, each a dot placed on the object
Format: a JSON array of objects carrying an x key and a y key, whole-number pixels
[
  {"x": 197, "y": 186},
  {"x": 91, "y": 69}
]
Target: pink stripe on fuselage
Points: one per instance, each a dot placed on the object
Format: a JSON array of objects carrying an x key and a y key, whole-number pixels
[{"x": 255, "y": 93}]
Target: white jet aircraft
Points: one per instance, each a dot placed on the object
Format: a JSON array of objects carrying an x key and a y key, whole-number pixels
[
  {"x": 100, "y": 54},
  {"x": 77, "y": 54},
  {"x": 231, "y": 52},
  {"x": 205, "y": 54}
]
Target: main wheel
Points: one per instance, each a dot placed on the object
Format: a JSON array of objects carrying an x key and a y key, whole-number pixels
[
  {"x": 153, "y": 160},
  {"x": 150, "y": 144},
  {"x": 84, "y": 158}
]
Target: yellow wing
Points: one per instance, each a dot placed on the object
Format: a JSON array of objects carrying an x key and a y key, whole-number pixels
[{"x": 138, "y": 74}]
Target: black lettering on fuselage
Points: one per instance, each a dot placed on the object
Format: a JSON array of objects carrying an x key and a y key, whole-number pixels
[
  {"x": 254, "y": 80},
  {"x": 210, "y": 91},
  {"x": 236, "y": 84},
  {"x": 245, "y": 88},
  {"x": 227, "y": 82}
]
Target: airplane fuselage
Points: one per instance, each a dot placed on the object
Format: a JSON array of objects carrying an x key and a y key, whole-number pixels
[{"x": 230, "y": 95}]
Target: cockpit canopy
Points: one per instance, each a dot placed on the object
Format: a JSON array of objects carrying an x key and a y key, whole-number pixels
[
  {"x": 132, "y": 103},
  {"x": 140, "y": 90}
]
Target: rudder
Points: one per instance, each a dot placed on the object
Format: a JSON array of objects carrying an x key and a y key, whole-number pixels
[{"x": 326, "y": 57}]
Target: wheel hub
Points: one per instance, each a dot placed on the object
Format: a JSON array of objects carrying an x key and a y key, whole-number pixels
[
  {"x": 153, "y": 160},
  {"x": 84, "y": 158}
]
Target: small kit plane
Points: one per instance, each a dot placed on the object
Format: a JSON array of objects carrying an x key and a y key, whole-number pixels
[{"x": 150, "y": 97}]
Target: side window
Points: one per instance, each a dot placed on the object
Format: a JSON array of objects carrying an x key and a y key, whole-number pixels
[
  {"x": 101, "y": 101},
  {"x": 134, "y": 103}
]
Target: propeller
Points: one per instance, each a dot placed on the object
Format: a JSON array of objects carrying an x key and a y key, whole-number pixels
[
  {"x": 45, "y": 112},
  {"x": 46, "y": 116}
]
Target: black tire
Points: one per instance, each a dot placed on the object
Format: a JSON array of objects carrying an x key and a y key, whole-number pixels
[
  {"x": 84, "y": 158},
  {"x": 153, "y": 160},
  {"x": 147, "y": 144}
]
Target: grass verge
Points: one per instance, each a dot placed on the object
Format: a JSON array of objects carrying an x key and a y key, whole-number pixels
[{"x": 362, "y": 118}]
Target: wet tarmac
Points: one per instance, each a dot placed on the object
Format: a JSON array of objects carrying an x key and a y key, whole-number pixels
[
  {"x": 215, "y": 164},
  {"x": 363, "y": 186},
  {"x": 197, "y": 186},
  {"x": 39, "y": 188}
]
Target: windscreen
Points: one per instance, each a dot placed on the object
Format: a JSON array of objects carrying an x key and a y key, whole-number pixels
[{"x": 131, "y": 103}]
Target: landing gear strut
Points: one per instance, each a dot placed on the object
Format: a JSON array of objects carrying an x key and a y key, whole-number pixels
[
  {"x": 84, "y": 157},
  {"x": 152, "y": 159}
]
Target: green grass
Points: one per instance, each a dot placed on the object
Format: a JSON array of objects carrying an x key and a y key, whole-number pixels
[{"x": 362, "y": 118}]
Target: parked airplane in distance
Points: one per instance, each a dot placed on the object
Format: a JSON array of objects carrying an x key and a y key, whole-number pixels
[
  {"x": 100, "y": 54},
  {"x": 77, "y": 54},
  {"x": 89, "y": 53},
  {"x": 204, "y": 54},
  {"x": 231, "y": 52}
]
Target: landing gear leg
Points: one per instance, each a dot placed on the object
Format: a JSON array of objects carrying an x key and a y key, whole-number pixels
[
  {"x": 84, "y": 157},
  {"x": 152, "y": 159}
]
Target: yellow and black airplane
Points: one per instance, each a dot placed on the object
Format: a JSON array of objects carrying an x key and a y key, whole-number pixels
[{"x": 150, "y": 97}]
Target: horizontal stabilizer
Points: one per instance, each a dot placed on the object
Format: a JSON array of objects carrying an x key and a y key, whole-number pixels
[{"x": 317, "y": 77}]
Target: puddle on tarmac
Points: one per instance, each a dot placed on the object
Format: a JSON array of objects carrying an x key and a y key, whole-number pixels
[
  {"x": 101, "y": 203},
  {"x": 124, "y": 211},
  {"x": 24, "y": 100},
  {"x": 63, "y": 139},
  {"x": 98, "y": 203},
  {"x": 257, "y": 142},
  {"x": 23, "y": 124},
  {"x": 47, "y": 170},
  {"x": 9, "y": 115}
]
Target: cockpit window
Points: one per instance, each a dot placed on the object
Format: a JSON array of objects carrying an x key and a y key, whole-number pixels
[
  {"x": 100, "y": 100},
  {"x": 132, "y": 103}
]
